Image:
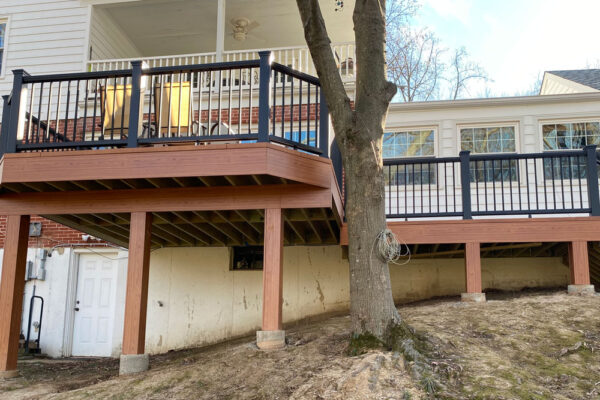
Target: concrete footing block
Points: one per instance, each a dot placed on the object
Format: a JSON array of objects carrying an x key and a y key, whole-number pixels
[
  {"x": 472, "y": 297},
  {"x": 13, "y": 373},
  {"x": 268, "y": 340},
  {"x": 133, "y": 363},
  {"x": 581, "y": 290}
]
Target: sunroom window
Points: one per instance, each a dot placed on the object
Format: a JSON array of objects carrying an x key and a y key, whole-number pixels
[
  {"x": 568, "y": 136},
  {"x": 410, "y": 143},
  {"x": 490, "y": 139}
]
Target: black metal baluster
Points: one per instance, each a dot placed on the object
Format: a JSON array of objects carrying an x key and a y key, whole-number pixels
[
  {"x": 229, "y": 104},
  {"x": 292, "y": 112},
  {"x": 210, "y": 89},
  {"x": 39, "y": 124},
  {"x": 485, "y": 188},
  {"x": 29, "y": 118},
  {"x": 239, "y": 130},
  {"x": 85, "y": 111},
  {"x": 300, "y": 110},
  {"x": 274, "y": 118},
  {"x": 527, "y": 184},
  {"x": 553, "y": 184},
  {"x": 571, "y": 182},
  {"x": 95, "y": 109},
  {"x": 476, "y": 179},
  {"x": 114, "y": 106},
  {"x": 580, "y": 177},
  {"x": 76, "y": 112},
  {"x": 56, "y": 128},
  {"x": 317, "y": 114},
  {"x": 562, "y": 184},
  {"x": 131, "y": 111}
]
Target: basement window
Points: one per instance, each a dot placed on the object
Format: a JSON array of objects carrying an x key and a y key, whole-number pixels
[{"x": 246, "y": 258}]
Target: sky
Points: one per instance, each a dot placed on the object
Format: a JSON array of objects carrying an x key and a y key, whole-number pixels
[{"x": 516, "y": 40}]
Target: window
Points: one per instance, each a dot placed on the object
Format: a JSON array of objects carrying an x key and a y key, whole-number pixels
[
  {"x": 499, "y": 139},
  {"x": 415, "y": 143},
  {"x": 2, "y": 44},
  {"x": 568, "y": 136},
  {"x": 301, "y": 137},
  {"x": 408, "y": 143},
  {"x": 491, "y": 139},
  {"x": 245, "y": 258}
]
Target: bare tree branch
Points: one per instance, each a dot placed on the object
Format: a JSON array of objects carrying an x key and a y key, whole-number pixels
[{"x": 463, "y": 72}]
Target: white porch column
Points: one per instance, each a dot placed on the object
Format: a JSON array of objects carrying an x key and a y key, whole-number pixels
[{"x": 221, "y": 26}]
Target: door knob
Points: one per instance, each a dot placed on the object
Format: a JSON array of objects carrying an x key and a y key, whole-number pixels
[{"x": 76, "y": 308}]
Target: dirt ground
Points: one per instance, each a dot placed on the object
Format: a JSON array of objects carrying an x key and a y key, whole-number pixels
[{"x": 534, "y": 345}]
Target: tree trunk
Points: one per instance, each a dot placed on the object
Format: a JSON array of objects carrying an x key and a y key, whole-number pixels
[
  {"x": 371, "y": 302},
  {"x": 359, "y": 134}
]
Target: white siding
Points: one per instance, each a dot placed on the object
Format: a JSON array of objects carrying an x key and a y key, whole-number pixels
[
  {"x": 44, "y": 36},
  {"x": 108, "y": 40},
  {"x": 554, "y": 84}
]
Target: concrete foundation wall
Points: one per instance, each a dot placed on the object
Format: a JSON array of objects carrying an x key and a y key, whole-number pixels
[
  {"x": 423, "y": 278},
  {"x": 204, "y": 302},
  {"x": 194, "y": 298}
]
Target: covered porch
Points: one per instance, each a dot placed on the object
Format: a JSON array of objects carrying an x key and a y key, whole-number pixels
[{"x": 171, "y": 33}]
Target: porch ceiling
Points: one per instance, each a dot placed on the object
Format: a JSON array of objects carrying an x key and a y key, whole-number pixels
[{"x": 166, "y": 27}]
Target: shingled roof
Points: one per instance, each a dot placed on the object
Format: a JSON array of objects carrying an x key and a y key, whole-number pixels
[{"x": 587, "y": 77}]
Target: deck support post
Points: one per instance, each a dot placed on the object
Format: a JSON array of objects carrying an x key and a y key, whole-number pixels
[
  {"x": 133, "y": 358},
  {"x": 12, "y": 285},
  {"x": 580, "y": 269},
  {"x": 272, "y": 335},
  {"x": 473, "y": 273}
]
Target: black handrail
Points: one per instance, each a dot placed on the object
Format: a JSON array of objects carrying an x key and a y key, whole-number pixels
[
  {"x": 94, "y": 110},
  {"x": 552, "y": 182}
]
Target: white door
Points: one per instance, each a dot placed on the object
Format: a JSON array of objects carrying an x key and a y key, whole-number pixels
[{"x": 95, "y": 305}]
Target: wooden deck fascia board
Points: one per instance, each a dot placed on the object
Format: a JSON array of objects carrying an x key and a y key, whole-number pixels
[
  {"x": 166, "y": 162},
  {"x": 506, "y": 230}
]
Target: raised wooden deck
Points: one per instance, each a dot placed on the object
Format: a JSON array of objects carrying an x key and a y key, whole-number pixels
[{"x": 210, "y": 195}]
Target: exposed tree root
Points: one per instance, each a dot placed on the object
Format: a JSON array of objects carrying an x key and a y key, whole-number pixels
[{"x": 421, "y": 358}]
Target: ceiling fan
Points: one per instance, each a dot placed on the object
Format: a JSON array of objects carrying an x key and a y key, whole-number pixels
[{"x": 241, "y": 27}]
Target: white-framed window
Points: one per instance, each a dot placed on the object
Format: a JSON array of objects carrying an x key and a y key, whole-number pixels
[
  {"x": 486, "y": 139},
  {"x": 568, "y": 135},
  {"x": 409, "y": 143},
  {"x": 406, "y": 143},
  {"x": 3, "y": 42}
]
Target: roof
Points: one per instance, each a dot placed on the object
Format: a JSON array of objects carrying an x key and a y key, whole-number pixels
[
  {"x": 587, "y": 77},
  {"x": 494, "y": 101}
]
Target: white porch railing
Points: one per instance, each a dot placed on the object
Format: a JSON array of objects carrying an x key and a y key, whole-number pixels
[{"x": 297, "y": 58}]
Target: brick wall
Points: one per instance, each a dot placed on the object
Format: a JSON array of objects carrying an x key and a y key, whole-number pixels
[{"x": 53, "y": 234}]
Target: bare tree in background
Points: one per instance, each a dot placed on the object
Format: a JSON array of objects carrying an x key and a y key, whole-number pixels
[
  {"x": 416, "y": 59},
  {"x": 462, "y": 72},
  {"x": 415, "y": 63},
  {"x": 359, "y": 133}
]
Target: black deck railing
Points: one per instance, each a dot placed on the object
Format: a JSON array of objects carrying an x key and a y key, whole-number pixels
[
  {"x": 556, "y": 182},
  {"x": 240, "y": 101}
]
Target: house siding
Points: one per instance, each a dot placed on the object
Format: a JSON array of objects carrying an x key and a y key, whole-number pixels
[{"x": 44, "y": 37}]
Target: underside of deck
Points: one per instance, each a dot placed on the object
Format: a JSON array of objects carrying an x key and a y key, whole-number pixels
[{"x": 211, "y": 195}]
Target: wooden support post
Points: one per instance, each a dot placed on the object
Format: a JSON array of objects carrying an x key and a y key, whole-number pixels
[
  {"x": 136, "y": 301},
  {"x": 12, "y": 285},
  {"x": 473, "y": 273},
  {"x": 580, "y": 268},
  {"x": 272, "y": 335}
]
